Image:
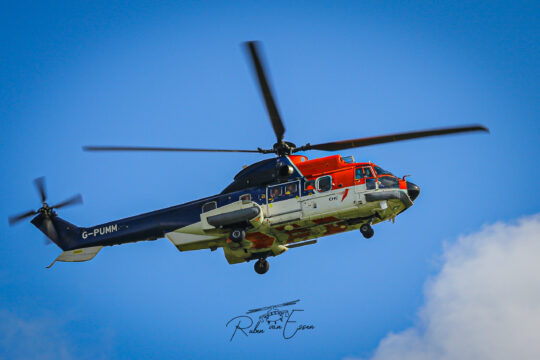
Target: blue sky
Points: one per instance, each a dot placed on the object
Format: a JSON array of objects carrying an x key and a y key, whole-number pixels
[{"x": 174, "y": 74}]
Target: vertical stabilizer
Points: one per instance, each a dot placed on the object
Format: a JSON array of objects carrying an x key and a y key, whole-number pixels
[{"x": 63, "y": 233}]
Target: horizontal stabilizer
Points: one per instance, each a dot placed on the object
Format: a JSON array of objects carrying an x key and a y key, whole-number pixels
[
  {"x": 186, "y": 242},
  {"x": 83, "y": 254}
]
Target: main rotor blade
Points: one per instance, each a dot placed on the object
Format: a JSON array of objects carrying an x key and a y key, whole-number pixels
[
  {"x": 40, "y": 185},
  {"x": 77, "y": 199},
  {"x": 149, "y": 148},
  {"x": 367, "y": 141},
  {"x": 16, "y": 218},
  {"x": 277, "y": 124}
]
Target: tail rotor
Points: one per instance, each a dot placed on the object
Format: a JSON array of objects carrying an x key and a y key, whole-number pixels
[{"x": 46, "y": 210}]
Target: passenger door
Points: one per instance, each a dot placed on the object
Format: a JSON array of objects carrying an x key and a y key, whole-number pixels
[
  {"x": 283, "y": 200},
  {"x": 321, "y": 199}
]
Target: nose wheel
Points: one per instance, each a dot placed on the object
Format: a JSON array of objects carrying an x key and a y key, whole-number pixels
[
  {"x": 262, "y": 266},
  {"x": 367, "y": 231}
]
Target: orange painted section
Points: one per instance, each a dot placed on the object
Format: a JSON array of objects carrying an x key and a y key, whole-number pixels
[
  {"x": 345, "y": 193},
  {"x": 260, "y": 240},
  {"x": 321, "y": 165},
  {"x": 403, "y": 184},
  {"x": 326, "y": 220},
  {"x": 335, "y": 228},
  {"x": 298, "y": 159},
  {"x": 298, "y": 235},
  {"x": 343, "y": 173}
]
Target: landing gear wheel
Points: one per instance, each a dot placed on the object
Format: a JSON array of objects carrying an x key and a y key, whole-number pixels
[
  {"x": 237, "y": 235},
  {"x": 367, "y": 231},
  {"x": 261, "y": 266}
]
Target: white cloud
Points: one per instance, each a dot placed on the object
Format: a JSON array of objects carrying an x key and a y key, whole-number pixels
[
  {"x": 32, "y": 338},
  {"x": 44, "y": 338},
  {"x": 485, "y": 302}
]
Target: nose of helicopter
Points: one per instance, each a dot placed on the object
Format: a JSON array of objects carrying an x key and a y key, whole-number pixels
[{"x": 413, "y": 190}]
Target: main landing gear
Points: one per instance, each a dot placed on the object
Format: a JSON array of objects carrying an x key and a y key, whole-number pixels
[
  {"x": 237, "y": 235},
  {"x": 367, "y": 231},
  {"x": 262, "y": 266}
]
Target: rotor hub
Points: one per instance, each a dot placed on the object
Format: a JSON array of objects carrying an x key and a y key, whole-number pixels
[
  {"x": 45, "y": 209},
  {"x": 284, "y": 148}
]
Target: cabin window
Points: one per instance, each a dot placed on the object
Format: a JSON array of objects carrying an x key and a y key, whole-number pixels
[
  {"x": 275, "y": 192},
  {"x": 291, "y": 189},
  {"x": 309, "y": 185},
  {"x": 324, "y": 183},
  {"x": 209, "y": 206},
  {"x": 246, "y": 198}
]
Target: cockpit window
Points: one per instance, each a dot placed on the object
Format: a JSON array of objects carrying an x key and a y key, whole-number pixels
[
  {"x": 363, "y": 172},
  {"x": 388, "y": 182},
  {"x": 380, "y": 171}
]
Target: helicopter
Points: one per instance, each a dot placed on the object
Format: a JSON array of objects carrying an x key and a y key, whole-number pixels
[{"x": 271, "y": 206}]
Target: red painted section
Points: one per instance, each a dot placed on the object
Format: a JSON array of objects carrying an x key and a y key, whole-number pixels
[
  {"x": 260, "y": 240},
  {"x": 345, "y": 193},
  {"x": 321, "y": 165},
  {"x": 295, "y": 235},
  {"x": 335, "y": 228},
  {"x": 297, "y": 159},
  {"x": 343, "y": 173},
  {"x": 326, "y": 220}
]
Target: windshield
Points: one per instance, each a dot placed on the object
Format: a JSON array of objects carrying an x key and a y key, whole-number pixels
[{"x": 380, "y": 171}]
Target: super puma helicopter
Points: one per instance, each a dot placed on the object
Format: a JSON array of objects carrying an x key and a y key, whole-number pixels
[{"x": 271, "y": 206}]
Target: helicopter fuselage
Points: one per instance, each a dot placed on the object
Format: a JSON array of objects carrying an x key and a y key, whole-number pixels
[
  {"x": 271, "y": 206},
  {"x": 276, "y": 204}
]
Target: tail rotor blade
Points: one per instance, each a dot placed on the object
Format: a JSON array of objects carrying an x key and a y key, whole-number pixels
[
  {"x": 40, "y": 185},
  {"x": 16, "y": 218},
  {"x": 77, "y": 199}
]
